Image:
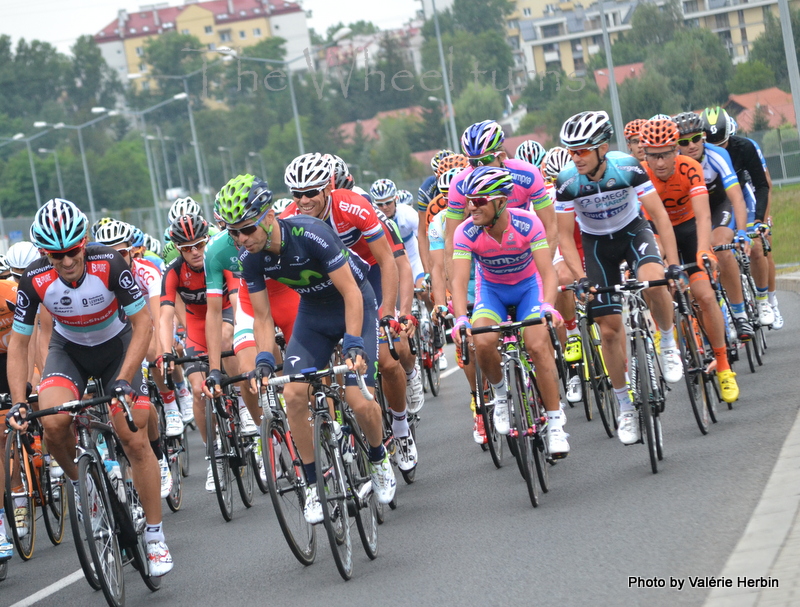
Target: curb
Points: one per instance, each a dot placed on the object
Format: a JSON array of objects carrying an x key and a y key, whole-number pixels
[{"x": 788, "y": 282}]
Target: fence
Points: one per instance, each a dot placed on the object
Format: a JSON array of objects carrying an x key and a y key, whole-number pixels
[{"x": 781, "y": 149}]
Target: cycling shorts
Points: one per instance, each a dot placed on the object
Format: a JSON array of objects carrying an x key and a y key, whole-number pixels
[
  {"x": 70, "y": 366},
  {"x": 635, "y": 243},
  {"x": 196, "y": 339},
  {"x": 320, "y": 326},
  {"x": 492, "y": 300},
  {"x": 722, "y": 216},
  {"x": 283, "y": 302},
  {"x": 686, "y": 239}
]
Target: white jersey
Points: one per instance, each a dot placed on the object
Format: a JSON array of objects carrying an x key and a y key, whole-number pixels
[
  {"x": 407, "y": 220},
  {"x": 148, "y": 278}
]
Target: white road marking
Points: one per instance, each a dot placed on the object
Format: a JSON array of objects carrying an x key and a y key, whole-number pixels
[{"x": 51, "y": 589}]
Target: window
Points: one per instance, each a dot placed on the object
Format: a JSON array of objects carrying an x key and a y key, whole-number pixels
[
  {"x": 513, "y": 24},
  {"x": 692, "y": 22},
  {"x": 741, "y": 17},
  {"x": 526, "y": 12},
  {"x": 209, "y": 29},
  {"x": 743, "y": 33},
  {"x": 257, "y": 32},
  {"x": 551, "y": 31},
  {"x": 212, "y": 46},
  {"x": 690, "y": 6},
  {"x": 139, "y": 51},
  {"x": 146, "y": 28},
  {"x": 225, "y": 36},
  {"x": 185, "y": 32},
  {"x": 549, "y": 48},
  {"x": 142, "y": 68},
  {"x": 722, "y": 20},
  {"x": 242, "y": 34}
]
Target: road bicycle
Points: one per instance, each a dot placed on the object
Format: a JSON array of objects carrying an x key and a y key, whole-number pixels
[{"x": 422, "y": 344}]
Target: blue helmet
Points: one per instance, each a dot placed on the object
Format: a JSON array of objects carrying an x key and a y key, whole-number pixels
[
  {"x": 482, "y": 138},
  {"x": 58, "y": 225},
  {"x": 383, "y": 189}
]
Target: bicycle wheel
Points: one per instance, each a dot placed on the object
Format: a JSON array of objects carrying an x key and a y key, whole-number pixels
[
  {"x": 245, "y": 471},
  {"x": 711, "y": 395},
  {"x": 362, "y": 497},
  {"x": 693, "y": 365},
  {"x": 259, "y": 465},
  {"x": 332, "y": 493},
  {"x": 80, "y": 538},
  {"x": 175, "y": 497},
  {"x": 218, "y": 453},
  {"x": 19, "y": 495},
  {"x": 518, "y": 402},
  {"x": 643, "y": 399},
  {"x": 183, "y": 455},
  {"x": 55, "y": 506},
  {"x": 100, "y": 526},
  {"x": 494, "y": 440},
  {"x": 541, "y": 452},
  {"x": 3, "y": 569},
  {"x": 287, "y": 490},
  {"x": 433, "y": 371}
]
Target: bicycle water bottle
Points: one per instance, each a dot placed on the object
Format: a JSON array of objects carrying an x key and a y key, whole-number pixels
[
  {"x": 347, "y": 450},
  {"x": 102, "y": 448},
  {"x": 115, "y": 474}
]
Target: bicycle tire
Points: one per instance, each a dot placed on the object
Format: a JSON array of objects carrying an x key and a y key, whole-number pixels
[
  {"x": 101, "y": 529},
  {"x": 541, "y": 451},
  {"x": 81, "y": 541},
  {"x": 332, "y": 494},
  {"x": 643, "y": 400},
  {"x": 604, "y": 397},
  {"x": 287, "y": 490},
  {"x": 24, "y": 537},
  {"x": 518, "y": 403},
  {"x": 3, "y": 569},
  {"x": 494, "y": 440},
  {"x": 184, "y": 453},
  {"x": 757, "y": 345},
  {"x": 54, "y": 508},
  {"x": 365, "y": 509},
  {"x": 175, "y": 497},
  {"x": 221, "y": 473},
  {"x": 434, "y": 373},
  {"x": 242, "y": 462},
  {"x": 711, "y": 395},
  {"x": 261, "y": 483},
  {"x": 693, "y": 371}
]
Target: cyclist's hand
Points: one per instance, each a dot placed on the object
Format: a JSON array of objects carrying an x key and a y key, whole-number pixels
[
  {"x": 354, "y": 355},
  {"x": 462, "y": 321},
  {"x": 582, "y": 287},
  {"x": 555, "y": 315},
  {"x": 409, "y": 324},
  {"x": 214, "y": 378},
  {"x": 702, "y": 256},
  {"x": 391, "y": 326},
  {"x": 439, "y": 313},
  {"x": 121, "y": 386},
  {"x": 762, "y": 228},
  {"x": 679, "y": 277},
  {"x": 265, "y": 367},
  {"x": 168, "y": 363},
  {"x": 15, "y": 418},
  {"x": 744, "y": 241}
]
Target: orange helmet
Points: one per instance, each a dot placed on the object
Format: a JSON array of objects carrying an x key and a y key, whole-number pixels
[
  {"x": 659, "y": 133},
  {"x": 456, "y": 161},
  {"x": 633, "y": 127}
]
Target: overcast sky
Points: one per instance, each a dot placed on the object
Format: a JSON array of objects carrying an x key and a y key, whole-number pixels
[{"x": 60, "y": 22}]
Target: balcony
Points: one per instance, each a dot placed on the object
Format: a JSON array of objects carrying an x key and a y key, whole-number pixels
[{"x": 552, "y": 56}]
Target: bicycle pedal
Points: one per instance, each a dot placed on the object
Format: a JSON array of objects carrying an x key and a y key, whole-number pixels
[{"x": 554, "y": 457}]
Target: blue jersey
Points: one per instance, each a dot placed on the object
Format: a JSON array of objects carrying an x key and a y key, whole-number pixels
[
  {"x": 310, "y": 250},
  {"x": 427, "y": 192},
  {"x": 606, "y": 206},
  {"x": 718, "y": 173}
]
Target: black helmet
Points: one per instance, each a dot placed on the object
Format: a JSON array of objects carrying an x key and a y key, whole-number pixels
[
  {"x": 188, "y": 228},
  {"x": 716, "y": 124}
]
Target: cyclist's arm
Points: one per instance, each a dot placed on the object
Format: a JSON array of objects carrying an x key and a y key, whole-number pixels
[
  {"x": 422, "y": 240},
  {"x": 761, "y": 184},
  {"x": 17, "y": 368},
  {"x": 438, "y": 287},
  {"x": 214, "y": 331},
  {"x": 547, "y": 272},
  {"x": 449, "y": 232},
  {"x": 345, "y": 283},
  {"x": 547, "y": 215},
  {"x": 43, "y": 340},
  {"x": 460, "y": 282},
  {"x": 566, "y": 230},
  {"x": 406, "y": 284},
  {"x": 263, "y": 325},
  {"x": 142, "y": 324},
  {"x": 389, "y": 279},
  {"x": 655, "y": 208},
  {"x": 702, "y": 216},
  {"x": 739, "y": 207}
]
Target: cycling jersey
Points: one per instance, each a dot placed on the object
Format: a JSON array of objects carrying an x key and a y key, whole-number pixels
[
  {"x": 718, "y": 173},
  {"x": 606, "y": 206},
  {"x": 559, "y": 207},
  {"x": 407, "y": 221},
  {"x": 427, "y": 192},
  {"x": 155, "y": 260},
  {"x": 685, "y": 183},
  {"x": 87, "y": 312},
  {"x": 528, "y": 192},
  {"x": 181, "y": 280},
  {"x": 750, "y": 170},
  {"x": 506, "y": 262},
  {"x": 310, "y": 250},
  {"x": 8, "y": 303},
  {"x": 148, "y": 278},
  {"x": 435, "y": 206}
]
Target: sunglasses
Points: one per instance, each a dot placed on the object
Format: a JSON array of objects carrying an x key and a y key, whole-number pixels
[
  {"x": 582, "y": 152},
  {"x": 384, "y": 204},
  {"x": 245, "y": 231},
  {"x": 696, "y": 139},
  {"x": 482, "y": 201},
  {"x": 660, "y": 155},
  {"x": 198, "y": 246},
  {"x": 483, "y": 160},
  {"x": 307, "y": 193},
  {"x": 71, "y": 253},
  {"x": 124, "y": 252}
]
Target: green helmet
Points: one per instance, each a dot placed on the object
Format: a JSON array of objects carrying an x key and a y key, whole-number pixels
[{"x": 243, "y": 197}]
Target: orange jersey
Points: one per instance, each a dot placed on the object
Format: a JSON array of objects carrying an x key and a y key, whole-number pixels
[
  {"x": 438, "y": 204},
  {"x": 685, "y": 183},
  {"x": 8, "y": 303}
]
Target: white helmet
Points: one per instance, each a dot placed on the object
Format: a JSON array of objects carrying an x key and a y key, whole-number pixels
[
  {"x": 183, "y": 206},
  {"x": 554, "y": 162},
  {"x": 309, "y": 171},
  {"x": 20, "y": 255},
  {"x": 279, "y": 206},
  {"x": 114, "y": 232},
  {"x": 586, "y": 129}
]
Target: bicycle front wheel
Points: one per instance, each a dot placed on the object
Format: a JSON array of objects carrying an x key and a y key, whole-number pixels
[
  {"x": 287, "y": 490},
  {"x": 100, "y": 526},
  {"x": 80, "y": 538},
  {"x": 219, "y": 453},
  {"x": 362, "y": 497},
  {"x": 494, "y": 440},
  {"x": 174, "y": 450},
  {"x": 643, "y": 398},
  {"x": 244, "y": 468},
  {"x": 595, "y": 370},
  {"x": 55, "y": 506},
  {"x": 693, "y": 366},
  {"x": 332, "y": 493},
  {"x": 19, "y": 495},
  {"x": 519, "y": 404}
]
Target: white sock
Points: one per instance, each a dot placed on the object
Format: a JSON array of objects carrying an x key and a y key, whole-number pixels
[
  {"x": 667, "y": 338},
  {"x": 399, "y": 423},
  {"x": 154, "y": 533},
  {"x": 575, "y": 331},
  {"x": 500, "y": 390},
  {"x": 773, "y": 298},
  {"x": 624, "y": 399},
  {"x": 554, "y": 419},
  {"x": 410, "y": 375}
]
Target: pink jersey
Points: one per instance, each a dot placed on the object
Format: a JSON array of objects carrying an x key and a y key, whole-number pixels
[
  {"x": 529, "y": 191},
  {"x": 507, "y": 262}
]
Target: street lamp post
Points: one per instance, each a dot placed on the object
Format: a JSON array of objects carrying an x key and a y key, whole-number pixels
[
  {"x": 445, "y": 82},
  {"x": 180, "y": 165},
  {"x": 161, "y": 191},
  {"x": 616, "y": 112},
  {"x": 164, "y": 154},
  {"x": 261, "y": 159},
  {"x": 447, "y": 138},
  {"x": 54, "y": 152},
  {"x": 225, "y": 173}
]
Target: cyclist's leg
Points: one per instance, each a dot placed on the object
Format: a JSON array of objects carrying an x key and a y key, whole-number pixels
[{"x": 195, "y": 374}]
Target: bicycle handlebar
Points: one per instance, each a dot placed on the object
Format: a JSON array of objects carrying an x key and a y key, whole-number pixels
[
  {"x": 74, "y": 406},
  {"x": 313, "y": 373},
  {"x": 389, "y": 339},
  {"x": 511, "y": 326},
  {"x": 633, "y": 285}
]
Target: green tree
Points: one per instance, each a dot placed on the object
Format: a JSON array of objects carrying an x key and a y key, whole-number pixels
[
  {"x": 478, "y": 16},
  {"x": 774, "y": 139},
  {"x": 31, "y": 77},
  {"x": 541, "y": 89},
  {"x": 570, "y": 100},
  {"x": 391, "y": 157},
  {"x": 120, "y": 179},
  {"x": 646, "y": 96},
  {"x": 751, "y": 76},
  {"x": 768, "y": 47},
  {"x": 760, "y": 119},
  {"x": 166, "y": 55},
  {"x": 653, "y": 25},
  {"x": 478, "y": 102},
  {"x": 359, "y": 28},
  {"x": 91, "y": 82}
]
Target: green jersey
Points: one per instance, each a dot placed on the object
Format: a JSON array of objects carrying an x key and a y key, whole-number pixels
[{"x": 221, "y": 254}]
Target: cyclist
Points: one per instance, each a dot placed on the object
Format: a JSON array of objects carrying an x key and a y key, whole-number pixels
[
  {"x": 532, "y": 152},
  {"x": 603, "y": 190},
  {"x": 405, "y": 198},
  {"x": 728, "y": 209},
  {"x": 336, "y": 302},
  {"x": 86, "y": 288},
  {"x": 118, "y": 235},
  {"x": 680, "y": 185},
  {"x": 5, "y": 269},
  {"x": 19, "y": 256},
  {"x": 8, "y": 300},
  {"x": 632, "y": 138},
  {"x": 514, "y": 268},
  {"x": 426, "y": 193},
  {"x": 753, "y": 180}
]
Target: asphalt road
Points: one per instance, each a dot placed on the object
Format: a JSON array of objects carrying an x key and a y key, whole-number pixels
[{"x": 465, "y": 532}]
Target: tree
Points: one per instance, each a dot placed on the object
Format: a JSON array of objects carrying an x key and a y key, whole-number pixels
[
  {"x": 697, "y": 66},
  {"x": 570, "y": 100},
  {"x": 768, "y": 47},
  {"x": 166, "y": 55},
  {"x": 541, "y": 89},
  {"x": 751, "y": 76},
  {"x": 760, "y": 119},
  {"x": 359, "y": 28},
  {"x": 391, "y": 156},
  {"x": 478, "y": 102},
  {"x": 120, "y": 179},
  {"x": 30, "y": 77},
  {"x": 646, "y": 96},
  {"x": 478, "y": 16},
  {"x": 653, "y": 25},
  {"x": 91, "y": 82}
]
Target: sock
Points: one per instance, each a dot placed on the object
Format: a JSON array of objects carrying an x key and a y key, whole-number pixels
[
  {"x": 738, "y": 310},
  {"x": 376, "y": 454},
  {"x": 155, "y": 445},
  {"x": 153, "y": 533},
  {"x": 773, "y": 300},
  {"x": 500, "y": 390},
  {"x": 761, "y": 294},
  {"x": 627, "y": 379},
  {"x": 571, "y": 325},
  {"x": 2, "y": 521},
  {"x": 311, "y": 473},
  {"x": 399, "y": 424},
  {"x": 170, "y": 404},
  {"x": 554, "y": 419},
  {"x": 721, "y": 354},
  {"x": 624, "y": 399},
  {"x": 410, "y": 375},
  {"x": 667, "y": 339}
]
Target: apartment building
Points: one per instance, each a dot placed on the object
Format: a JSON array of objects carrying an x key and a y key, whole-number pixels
[{"x": 216, "y": 23}]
